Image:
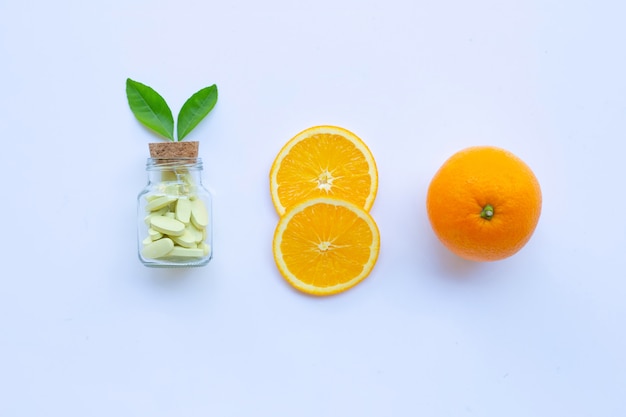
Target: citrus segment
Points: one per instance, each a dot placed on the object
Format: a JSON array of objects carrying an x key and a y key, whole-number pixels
[
  {"x": 324, "y": 246},
  {"x": 323, "y": 161},
  {"x": 484, "y": 203}
]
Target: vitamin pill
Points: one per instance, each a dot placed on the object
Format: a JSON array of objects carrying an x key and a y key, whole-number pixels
[
  {"x": 179, "y": 251},
  {"x": 150, "y": 197},
  {"x": 154, "y": 234},
  {"x": 183, "y": 210},
  {"x": 158, "y": 248},
  {"x": 160, "y": 212},
  {"x": 187, "y": 239},
  {"x": 195, "y": 233},
  {"x": 167, "y": 226},
  {"x": 159, "y": 202},
  {"x": 199, "y": 214},
  {"x": 206, "y": 249}
]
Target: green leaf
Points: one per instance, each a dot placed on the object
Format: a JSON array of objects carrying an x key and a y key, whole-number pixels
[
  {"x": 150, "y": 108},
  {"x": 195, "y": 109}
]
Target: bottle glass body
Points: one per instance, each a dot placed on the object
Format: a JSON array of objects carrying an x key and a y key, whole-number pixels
[{"x": 174, "y": 215}]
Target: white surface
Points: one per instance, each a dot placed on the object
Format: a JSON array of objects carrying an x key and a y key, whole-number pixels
[{"x": 86, "y": 330}]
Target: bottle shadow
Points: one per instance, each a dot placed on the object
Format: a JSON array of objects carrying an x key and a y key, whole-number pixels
[{"x": 170, "y": 277}]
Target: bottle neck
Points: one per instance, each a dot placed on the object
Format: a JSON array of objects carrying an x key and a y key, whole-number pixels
[
  {"x": 168, "y": 163},
  {"x": 175, "y": 170}
]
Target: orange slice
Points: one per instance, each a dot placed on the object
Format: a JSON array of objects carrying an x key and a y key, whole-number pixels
[
  {"x": 323, "y": 161},
  {"x": 324, "y": 246}
]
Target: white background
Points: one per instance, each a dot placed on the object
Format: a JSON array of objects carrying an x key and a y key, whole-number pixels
[{"x": 87, "y": 330}]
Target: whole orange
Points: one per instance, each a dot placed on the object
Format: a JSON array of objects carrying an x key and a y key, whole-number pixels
[{"x": 484, "y": 203}]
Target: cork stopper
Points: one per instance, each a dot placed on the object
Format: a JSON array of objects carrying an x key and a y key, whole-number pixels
[{"x": 173, "y": 150}]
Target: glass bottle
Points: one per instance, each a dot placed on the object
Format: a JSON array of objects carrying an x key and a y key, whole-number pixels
[{"x": 174, "y": 215}]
